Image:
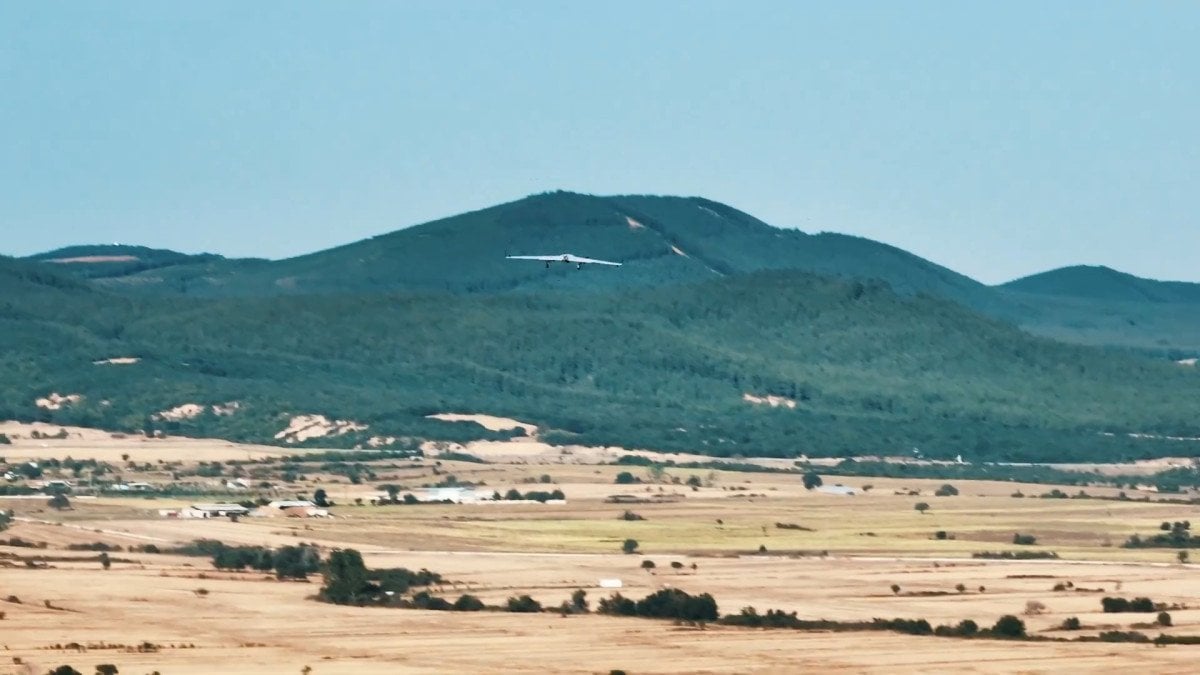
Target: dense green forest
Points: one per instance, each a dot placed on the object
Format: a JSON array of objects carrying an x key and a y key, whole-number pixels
[
  {"x": 871, "y": 370},
  {"x": 662, "y": 241}
]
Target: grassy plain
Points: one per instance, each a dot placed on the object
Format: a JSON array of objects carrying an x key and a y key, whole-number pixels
[{"x": 844, "y": 569}]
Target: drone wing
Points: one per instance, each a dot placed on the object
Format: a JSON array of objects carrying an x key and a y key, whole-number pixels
[
  {"x": 590, "y": 261},
  {"x": 546, "y": 258}
]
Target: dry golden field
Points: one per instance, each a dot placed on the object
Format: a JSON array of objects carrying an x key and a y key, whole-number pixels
[{"x": 206, "y": 621}]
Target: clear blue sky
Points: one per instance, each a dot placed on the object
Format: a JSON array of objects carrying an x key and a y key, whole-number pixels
[{"x": 998, "y": 139}]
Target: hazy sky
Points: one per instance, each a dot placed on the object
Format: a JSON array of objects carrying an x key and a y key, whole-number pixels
[{"x": 997, "y": 139}]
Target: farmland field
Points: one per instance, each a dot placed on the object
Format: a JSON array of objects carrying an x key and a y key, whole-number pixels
[{"x": 846, "y": 558}]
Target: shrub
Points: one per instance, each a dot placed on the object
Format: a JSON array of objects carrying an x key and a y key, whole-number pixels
[
  {"x": 65, "y": 670},
  {"x": 1024, "y": 539},
  {"x": 1122, "y": 636},
  {"x": 1121, "y": 605},
  {"x": 961, "y": 588},
  {"x": 61, "y": 503},
  {"x": 106, "y": 669},
  {"x": 1071, "y": 623},
  {"x": 811, "y": 480},
  {"x": 922, "y": 507},
  {"x": 946, "y": 490},
  {"x": 630, "y": 546},
  {"x": 676, "y": 565},
  {"x": 468, "y": 603},
  {"x": 1009, "y": 626},
  {"x": 647, "y": 564},
  {"x": 626, "y": 478},
  {"x": 579, "y": 602},
  {"x": 896, "y": 589},
  {"x": 631, "y": 516},
  {"x": 523, "y": 604},
  {"x": 1034, "y": 608},
  {"x": 1164, "y": 619}
]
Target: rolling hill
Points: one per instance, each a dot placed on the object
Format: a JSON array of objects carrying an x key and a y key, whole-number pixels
[
  {"x": 663, "y": 241},
  {"x": 1106, "y": 285},
  {"x": 669, "y": 366}
]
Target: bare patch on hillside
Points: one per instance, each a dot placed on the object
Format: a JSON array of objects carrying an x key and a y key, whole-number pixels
[
  {"x": 117, "y": 361},
  {"x": 305, "y": 427},
  {"x": 1187, "y": 362},
  {"x": 773, "y": 401},
  {"x": 56, "y": 401},
  {"x": 678, "y": 251},
  {"x": 95, "y": 259},
  {"x": 489, "y": 422},
  {"x": 189, "y": 411},
  {"x": 633, "y": 224}
]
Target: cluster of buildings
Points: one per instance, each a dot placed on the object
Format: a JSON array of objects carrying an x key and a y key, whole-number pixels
[{"x": 282, "y": 508}]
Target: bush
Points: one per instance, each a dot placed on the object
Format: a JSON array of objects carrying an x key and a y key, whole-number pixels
[
  {"x": 812, "y": 480},
  {"x": 1024, "y": 539},
  {"x": 630, "y": 546},
  {"x": 647, "y": 564},
  {"x": 106, "y": 669},
  {"x": 65, "y": 670},
  {"x": 1009, "y": 626},
  {"x": 946, "y": 490},
  {"x": 631, "y": 516},
  {"x": 523, "y": 604},
  {"x": 1164, "y": 619},
  {"x": 468, "y": 603},
  {"x": 1122, "y": 636},
  {"x": 921, "y": 507},
  {"x": 1122, "y": 605},
  {"x": 626, "y": 478},
  {"x": 1071, "y": 623}
]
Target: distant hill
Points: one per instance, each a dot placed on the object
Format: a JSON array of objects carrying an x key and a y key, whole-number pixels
[
  {"x": 1101, "y": 306},
  {"x": 1105, "y": 284},
  {"x": 103, "y": 261},
  {"x": 662, "y": 241},
  {"x": 664, "y": 367}
]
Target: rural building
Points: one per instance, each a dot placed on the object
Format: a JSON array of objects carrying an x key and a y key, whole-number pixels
[
  {"x": 291, "y": 508},
  {"x": 205, "y": 511},
  {"x": 134, "y": 487},
  {"x": 843, "y": 490}
]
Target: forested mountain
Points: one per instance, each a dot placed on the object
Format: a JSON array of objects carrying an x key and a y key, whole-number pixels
[
  {"x": 868, "y": 370},
  {"x": 1105, "y": 284},
  {"x": 662, "y": 241},
  {"x": 106, "y": 261}
]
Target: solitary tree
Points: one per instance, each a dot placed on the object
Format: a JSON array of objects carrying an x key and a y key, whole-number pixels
[
  {"x": 1164, "y": 619},
  {"x": 1009, "y": 626},
  {"x": 579, "y": 601},
  {"x": 1183, "y": 557},
  {"x": 921, "y": 506},
  {"x": 630, "y": 546},
  {"x": 105, "y": 562},
  {"x": 345, "y": 577},
  {"x": 647, "y": 564},
  {"x": 320, "y": 498},
  {"x": 896, "y": 589},
  {"x": 59, "y": 502},
  {"x": 106, "y": 669},
  {"x": 811, "y": 480},
  {"x": 946, "y": 490}
]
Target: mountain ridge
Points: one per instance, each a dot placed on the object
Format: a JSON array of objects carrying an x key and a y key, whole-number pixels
[{"x": 666, "y": 240}]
